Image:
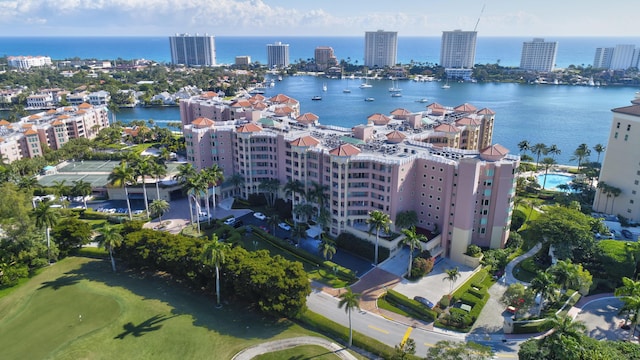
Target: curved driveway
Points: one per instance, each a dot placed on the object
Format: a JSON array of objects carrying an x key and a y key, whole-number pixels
[{"x": 277, "y": 345}]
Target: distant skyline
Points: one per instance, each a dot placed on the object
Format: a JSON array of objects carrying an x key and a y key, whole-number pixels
[{"x": 305, "y": 18}]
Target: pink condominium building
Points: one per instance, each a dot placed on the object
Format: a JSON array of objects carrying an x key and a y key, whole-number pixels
[{"x": 439, "y": 163}]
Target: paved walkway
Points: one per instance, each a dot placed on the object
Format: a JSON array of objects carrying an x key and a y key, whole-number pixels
[
  {"x": 508, "y": 271},
  {"x": 277, "y": 345}
]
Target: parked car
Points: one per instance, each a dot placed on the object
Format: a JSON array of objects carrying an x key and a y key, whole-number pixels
[
  {"x": 259, "y": 215},
  {"x": 238, "y": 223},
  {"x": 230, "y": 221},
  {"x": 284, "y": 226},
  {"x": 511, "y": 309},
  {"x": 424, "y": 301},
  {"x": 626, "y": 233}
]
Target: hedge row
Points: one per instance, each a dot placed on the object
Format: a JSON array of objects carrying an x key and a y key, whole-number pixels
[
  {"x": 532, "y": 328},
  {"x": 362, "y": 247},
  {"x": 411, "y": 305}
]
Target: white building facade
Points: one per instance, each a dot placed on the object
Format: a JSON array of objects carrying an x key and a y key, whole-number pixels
[
  {"x": 458, "y": 49},
  {"x": 380, "y": 48},
  {"x": 277, "y": 55},
  {"x": 538, "y": 55},
  {"x": 193, "y": 50}
]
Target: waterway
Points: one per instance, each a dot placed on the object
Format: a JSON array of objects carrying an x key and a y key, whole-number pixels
[{"x": 563, "y": 115}]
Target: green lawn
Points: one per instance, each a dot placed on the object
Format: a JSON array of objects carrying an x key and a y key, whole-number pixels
[
  {"x": 299, "y": 353},
  {"x": 78, "y": 308}
]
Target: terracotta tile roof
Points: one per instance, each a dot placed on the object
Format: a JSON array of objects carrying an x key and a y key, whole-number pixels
[
  {"x": 494, "y": 152},
  {"x": 260, "y": 106},
  {"x": 241, "y": 103},
  {"x": 257, "y": 98},
  {"x": 486, "y": 111},
  {"x": 85, "y": 106},
  {"x": 448, "y": 128},
  {"x": 27, "y": 126},
  {"x": 279, "y": 99},
  {"x": 57, "y": 123},
  {"x": 345, "y": 150},
  {"x": 435, "y": 105},
  {"x": 466, "y": 107},
  {"x": 400, "y": 112},
  {"x": 209, "y": 94},
  {"x": 629, "y": 110},
  {"x": 81, "y": 112},
  {"x": 379, "y": 119},
  {"x": 305, "y": 141},
  {"x": 283, "y": 111},
  {"x": 4, "y": 122},
  {"x": 249, "y": 128},
  {"x": 34, "y": 117},
  {"x": 395, "y": 136},
  {"x": 1, "y": 139},
  {"x": 307, "y": 118},
  {"x": 30, "y": 132},
  {"x": 68, "y": 108},
  {"x": 467, "y": 121},
  {"x": 51, "y": 112},
  {"x": 62, "y": 117},
  {"x": 202, "y": 122}
]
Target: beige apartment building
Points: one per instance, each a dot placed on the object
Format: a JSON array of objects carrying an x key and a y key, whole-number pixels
[
  {"x": 458, "y": 183},
  {"x": 621, "y": 165},
  {"x": 52, "y": 128}
]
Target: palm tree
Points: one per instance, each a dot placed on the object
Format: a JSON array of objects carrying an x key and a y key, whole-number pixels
[
  {"x": 378, "y": 221},
  {"x": 60, "y": 188},
  {"x": 554, "y": 150},
  {"x": 82, "y": 188},
  {"x": 303, "y": 210},
  {"x": 564, "y": 273},
  {"x": 599, "y": 148},
  {"x": 120, "y": 176},
  {"x": 214, "y": 255},
  {"x": 406, "y": 219},
  {"x": 185, "y": 172},
  {"x": 293, "y": 187},
  {"x": 412, "y": 239},
  {"x": 270, "y": 189},
  {"x": 318, "y": 194},
  {"x": 327, "y": 248},
  {"x": 615, "y": 192},
  {"x": 564, "y": 328},
  {"x": 543, "y": 284},
  {"x": 142, "y": 167},
  {"x": 158, "y": 207},
  {"x": 452, "y": 276},
  {"x": 46, "y": 218},
  {"x": 539, "y": 149},
  {"x": 299, "y": 232},
  {"x": 349, "y": 300},
  {"x": 547, "y": 163},
  {"x": 273, "y": 221},
  {"x": 236, "y": 180},
  {"x": 158, "y": 170},
  {"x": 604, "y": 190},
  {"x": 630, "y": 294},
  {"x": 111, "y": 239},
  {"x": 524, "y": 146},
  {"x": 195, "y": 186},
  {"x": 213, "y": 175},
  {"x": 580, "y": 154}
]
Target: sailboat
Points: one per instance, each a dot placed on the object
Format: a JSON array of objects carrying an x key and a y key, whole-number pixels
[
  {"x": 365, "y": 84},
  {"x": 394, "y": 87},
  {"x": 347, "y": 90},
  {"x": 446, "y": 84},
  {"x": 324, "y": 87}
]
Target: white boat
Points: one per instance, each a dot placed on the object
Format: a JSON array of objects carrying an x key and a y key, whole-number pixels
[
  {"x": 394, "y": 87},
  {"x": 446, "y": 84},
  {"x": 365, "y": 84},
  {"x": 369, "y": 99},
  {"x": 423, "y": 100},
  {"x": 316, "y": 98},
  {"x": 279, "y": 77},
  {"x": 396, "y": 94},
  {"x": 324, "y": 87},
  {"x": 346, "y": 91},
  {"x": 272, "y": 83}
]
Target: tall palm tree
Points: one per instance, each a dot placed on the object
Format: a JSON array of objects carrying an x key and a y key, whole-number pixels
[
  {"x": 318, "y": 194},
  {"x": 46, "y": 218},
  {"x": 273, "y": 221},
  {"x": 195, "y": 187},
  {"x": 378, "y": 221},
  {"x": 236, "y": 180},
  {"x": 406, "y": 219},
  {"x": 142, "y": 167},
  {"x": 299, "y": 232},
  {"x": 60, "y": 188},
  {"x": 564, "y": 327},
  {"x": 184, "y": 172},
  {"x": 214, "y": 255},
  {"x": 615, "y": 192},
  {"x": 599, "y": 148},
  {"x": 412, "y": 239},
  {"x": 158, "y": 170},
  {"x": 120, "y": 176},
  {"x": 158, "y": 207},
  {"x": 580, "y": 154},
  {"x": 630, "y": 295},
  {"x": 293, "y": 187},
  {"x": 539, "y": 149},
  {"x": 543, "y": 284},
  {"x": 270, "y": 189},
  {"x": 303, "y": 211},
  {"x": 111, "y": 239},
  {"x": 327, "y": 248},
  {"x": 349, "y": 300},
  {"x": 213, "y": 175},
  {"x": 565, "y": 274},
  {"x": 524, "y": 146},
  {"x": 554, "y": 150},
  {"x": 452, "y": 276},
  {"x": 547, "y": 163},
  {"x": 82, "y": 188}
]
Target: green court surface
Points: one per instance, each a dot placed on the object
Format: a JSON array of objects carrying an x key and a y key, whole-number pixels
[
  {"x": 79, "y": 309},
  {"x": 96, "y": 180},
  {"x": 89, "y": 166}
]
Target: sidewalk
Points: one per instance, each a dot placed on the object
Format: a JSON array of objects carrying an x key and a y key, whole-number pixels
[{"x": 508, "y": 271}]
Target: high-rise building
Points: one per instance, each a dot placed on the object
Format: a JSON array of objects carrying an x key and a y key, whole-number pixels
[
  {"x": 380, "y": 48},
  {"x": 618, "y": 192},
  {"x": 193, "y": 50},
  {"x": 243, "y": 60},
  {"x": 277, "y": 55},
  {"x": 602, "y": 60},
  {"x": 623, "y": 56},
  {"x": 458, "y": 49},
  {"x": 325, "y": 57},
  {"x": 538, "y": 55}
]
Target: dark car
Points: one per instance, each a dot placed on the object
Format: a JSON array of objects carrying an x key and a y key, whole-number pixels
[
  {"x": 626, "y": 233},
  {"x": 423, "y": 301},
  {"x": 238, "y": 223}
]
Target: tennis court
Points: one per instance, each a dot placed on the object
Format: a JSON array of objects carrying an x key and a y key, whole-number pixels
[
  {"x": 89, "y": 166},
  {"x": 96, "y": 180}
]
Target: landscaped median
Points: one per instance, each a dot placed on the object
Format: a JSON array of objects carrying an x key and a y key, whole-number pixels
[{"x": 569, "y": 298}]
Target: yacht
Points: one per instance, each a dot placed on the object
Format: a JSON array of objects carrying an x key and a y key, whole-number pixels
[
  {"x": 423, "y": 100},
  {"x": 396, "y": 94},
  {"x": 365, "y": 84},
  {"x": 324, "y": 87},
  {"x": 369, "y": 99},
  {"x": 316, "y": 98}
]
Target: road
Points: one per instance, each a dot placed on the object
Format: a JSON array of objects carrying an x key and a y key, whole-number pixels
[{"x": 391, "y": 332}]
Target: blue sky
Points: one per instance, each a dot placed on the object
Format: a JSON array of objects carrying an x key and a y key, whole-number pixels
[{"x": 316, "y": 18}]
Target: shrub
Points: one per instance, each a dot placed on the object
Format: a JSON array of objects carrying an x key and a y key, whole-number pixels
[
  {"x": 362, "y": 247},
  {"x": 396, "y": 298},
  {"x": 444, "y": 301},
  {"x": 517, "y": 220},
  {"x": 421, "y": 267},
  {"x": 474, "y": 250}
]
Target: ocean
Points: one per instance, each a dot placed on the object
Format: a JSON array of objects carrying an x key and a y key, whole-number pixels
[{"x": 489, "y": 50}]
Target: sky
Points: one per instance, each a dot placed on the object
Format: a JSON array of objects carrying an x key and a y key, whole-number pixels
[{"x": 317, "y": 18}]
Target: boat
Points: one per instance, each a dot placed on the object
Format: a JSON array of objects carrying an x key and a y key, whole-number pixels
[
  {"x": 369, "y": 99},
  {"x": 365, "y": 84},
  {"x": 446, "y": 84},
  {"x": 324, "y": 86},
  {"x": 394, "y": 87},
  {"x": 272, "y": 83},
  {"x": 396, "y": 94},
  {"x": 279, "y": 77},
  {"x": 346, "y": 91},
  {"x": 316, "y": 98},
  {"x": 423, "y": 100}
]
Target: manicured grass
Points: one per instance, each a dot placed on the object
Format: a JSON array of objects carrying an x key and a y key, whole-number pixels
[
  {"x": 300, "y": 352},
  {"x": 125, "y": 315}
]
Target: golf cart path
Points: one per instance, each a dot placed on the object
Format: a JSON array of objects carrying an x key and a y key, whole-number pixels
[{"x": 277, "y": 345}]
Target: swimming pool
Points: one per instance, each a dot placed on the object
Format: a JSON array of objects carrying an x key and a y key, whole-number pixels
[{"x": 553, "y": 180}]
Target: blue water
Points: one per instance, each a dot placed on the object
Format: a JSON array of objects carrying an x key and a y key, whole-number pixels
[
  {"x": 553, "y": 180},
  {"x": 571, "y": 50},
  {"x": 562, "y": 115}
]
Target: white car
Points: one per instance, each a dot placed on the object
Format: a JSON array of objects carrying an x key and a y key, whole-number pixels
[
  {"x": 230, "y": 221},
  {"x": 259, "y": 215},
  {"x": 284, "y": 226}
]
